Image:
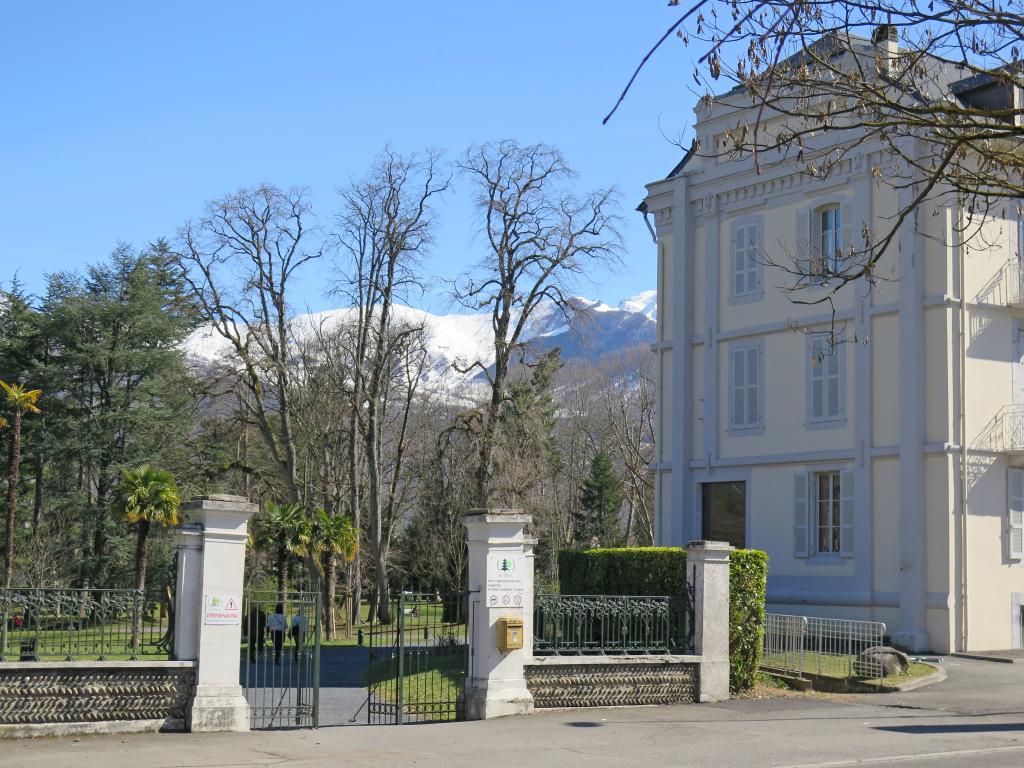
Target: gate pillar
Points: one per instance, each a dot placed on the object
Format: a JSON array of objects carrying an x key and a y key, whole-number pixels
[
  {"x": 708, "y": 566},
  {"x": 208, "y": 608},
  {"x": 501, "y": 596}
]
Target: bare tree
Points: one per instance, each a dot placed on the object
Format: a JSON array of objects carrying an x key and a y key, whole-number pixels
[
  {"x": 538, "y": 238},
  {"x": 385, "y": 226},
  {"x": 929, "y": 92},
  {"x": 239, "y": 260}
]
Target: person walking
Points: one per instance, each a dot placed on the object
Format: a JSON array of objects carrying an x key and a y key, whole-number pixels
[
  {"x": 257, "y": 633},
  {"x": 277, "y": 624},
  {"x": 300, "y": 626}
]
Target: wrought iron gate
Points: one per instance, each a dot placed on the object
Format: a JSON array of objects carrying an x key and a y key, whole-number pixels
[
  {"x": 419, "y": 659},
  {"x": 280, "y": 659}
]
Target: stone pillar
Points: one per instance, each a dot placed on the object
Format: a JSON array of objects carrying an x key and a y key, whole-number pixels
[
  {"x": 707, "y": 563},
  {"x": 208, "y": 608},
  {"x": 496, "y": 686}
]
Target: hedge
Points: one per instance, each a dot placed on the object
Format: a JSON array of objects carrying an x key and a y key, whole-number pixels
[{"x": 662, "y": 571}]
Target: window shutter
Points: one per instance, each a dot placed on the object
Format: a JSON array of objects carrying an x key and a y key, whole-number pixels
[
  {"x": 803, "y": 247},
  {"x": 739, "y": 394},
  {"x": 739, "y": 273},
  {"x": 1015, "y": 512},
  {"x": 847, "y": 235},
  {"x": 753, "y": 387},
  {"x": 753, "y": 257},
  {"x": 817, "y": 379},
  {"x": 801, "y": 486},
  {"x": 846, "y": 512},
  {"x": 835, "y": 390}
]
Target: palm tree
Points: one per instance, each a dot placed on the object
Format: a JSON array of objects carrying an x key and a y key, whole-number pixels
[
  {"x": 330, "y": 537},
  {"x": 287, "y": 528},
  {"x": 147, "y": 495},
  {"x": 19, "y": 400}
]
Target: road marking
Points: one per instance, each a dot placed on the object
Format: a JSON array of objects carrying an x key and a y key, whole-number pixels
[{"x": 908, "y": 758}]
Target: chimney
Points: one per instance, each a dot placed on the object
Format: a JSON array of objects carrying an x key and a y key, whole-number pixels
[{"x": 886, "y": 42}]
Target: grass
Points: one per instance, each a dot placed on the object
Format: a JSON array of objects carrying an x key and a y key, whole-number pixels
[
  {"x": 917, "y": 669},
  {"x": 815, "y": 663},
  {"x": 431, "y": 684},
  {"x": 111, "y": 641}
]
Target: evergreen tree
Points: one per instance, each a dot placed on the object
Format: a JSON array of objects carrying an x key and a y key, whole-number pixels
[
  {"x": 117, "y": 368},
  {"x": 601, "y": 499}
]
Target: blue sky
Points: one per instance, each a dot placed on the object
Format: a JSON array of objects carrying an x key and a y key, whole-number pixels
[{"x": 119, "y": 119}]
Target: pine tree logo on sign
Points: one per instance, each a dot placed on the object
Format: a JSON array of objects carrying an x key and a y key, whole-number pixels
[{"x": 504, "y": 580}]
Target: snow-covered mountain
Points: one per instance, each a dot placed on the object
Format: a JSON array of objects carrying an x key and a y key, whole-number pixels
[{"x": 595, "y": 331}]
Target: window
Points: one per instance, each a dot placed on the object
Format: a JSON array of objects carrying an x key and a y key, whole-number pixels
[
  {"x": 746, "y": 244},
  {"x": 825, "y": 390},
  {"x": 823, "y": 239},
  {"x": 723, "y": 509},
  {"x": 745, "y": 377},
  {"x": 830, "y": 229},
  {"x": 1015, "y": 513},
  {"x": 823, "y": 513},
  {"x": 828, "y": 519}
]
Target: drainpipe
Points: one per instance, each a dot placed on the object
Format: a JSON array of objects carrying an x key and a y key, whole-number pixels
[
  {"x": 642, "y": 208},
  {"x": 954, "y": 233}
]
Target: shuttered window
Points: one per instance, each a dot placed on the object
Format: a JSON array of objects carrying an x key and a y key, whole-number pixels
[
  {"x": 745, "y": 411},
  {"x": 1015, "y": 513},
  {"x": 746, "y": 246},
  {"x": 823, "y": 513},
  {"x": 825, "y": 391}
]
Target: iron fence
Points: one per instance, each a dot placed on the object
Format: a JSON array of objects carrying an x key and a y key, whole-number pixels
[
  {"x": 810, "y": 645},
  {"x": 419, "y": 659},
  {"x": 84, "y": 624},
  {"x": 607, "y": 624}
]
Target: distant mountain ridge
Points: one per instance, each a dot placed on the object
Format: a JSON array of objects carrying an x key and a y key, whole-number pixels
[{"x": 596, "y": 330}]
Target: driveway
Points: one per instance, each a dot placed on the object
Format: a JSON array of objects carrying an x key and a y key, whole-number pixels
[{"x": 966, "y": 721}]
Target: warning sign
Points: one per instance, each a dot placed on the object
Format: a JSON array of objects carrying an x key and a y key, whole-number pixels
[
  {"x": 223, "y": 609},
  {"x": 505, "y": 580}
]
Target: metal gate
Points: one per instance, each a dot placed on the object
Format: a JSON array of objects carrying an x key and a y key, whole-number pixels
[
  {"x": 419, "y": 659},
  {"x": 280, "y": 659}
]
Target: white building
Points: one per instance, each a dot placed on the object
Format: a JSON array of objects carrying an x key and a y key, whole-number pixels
[{"x": 853, "y": 474}]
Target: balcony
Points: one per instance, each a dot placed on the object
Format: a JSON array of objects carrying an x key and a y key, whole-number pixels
[
  {"x": 1005, "y": 433},
  {"x": 1006, "y": 288}
]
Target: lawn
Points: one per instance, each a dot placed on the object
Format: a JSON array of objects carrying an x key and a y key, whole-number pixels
[
  {"x": 111, "y": 641},
  {"x": 431, "y": 684},
  {"x": 837, "y": 666}
]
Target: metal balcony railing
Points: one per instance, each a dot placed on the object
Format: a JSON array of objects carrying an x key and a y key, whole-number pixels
[
  {"x": 1009, "y": 429},
  {"x": 1006, "y": 288}
]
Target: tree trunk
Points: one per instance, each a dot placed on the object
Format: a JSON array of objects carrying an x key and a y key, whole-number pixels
[
  {"x": 329, "y": 592},
  {"x": 282, "y": 575},
  {"x": 141, "y": 564},
  {"x": 356, "y": 582},
  {"x": 13, "y": 475},
  {"x": 37, "y": 502},
  {"x": 141, "y": 553}
]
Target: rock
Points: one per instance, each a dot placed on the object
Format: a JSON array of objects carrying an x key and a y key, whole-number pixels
[{"x": 893, "y": 662}]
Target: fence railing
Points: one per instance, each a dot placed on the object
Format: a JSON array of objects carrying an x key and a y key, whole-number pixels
[
  {"x": 83, "y": 624},
  {"x": 606, "y": 624},
  {"x": 809, "y": 645}
]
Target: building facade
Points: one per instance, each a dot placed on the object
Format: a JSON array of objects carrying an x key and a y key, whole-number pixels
[{"x": 884, "y": 475}]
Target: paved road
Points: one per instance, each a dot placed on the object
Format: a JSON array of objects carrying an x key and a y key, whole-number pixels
[
  {"x": 342, "y": 683},
  {"x": 975, "y": 718}
]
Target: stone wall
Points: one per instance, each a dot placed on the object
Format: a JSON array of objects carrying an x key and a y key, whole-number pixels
[
  {"x": 604, "y": 681},
  {"x": 44, "y": 693}
]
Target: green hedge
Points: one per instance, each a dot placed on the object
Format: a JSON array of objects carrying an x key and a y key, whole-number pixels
[{"x": 662, "y": 571}]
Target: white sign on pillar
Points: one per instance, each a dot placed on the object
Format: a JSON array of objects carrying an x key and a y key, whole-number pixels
[{"x": 506, "y": 580}]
